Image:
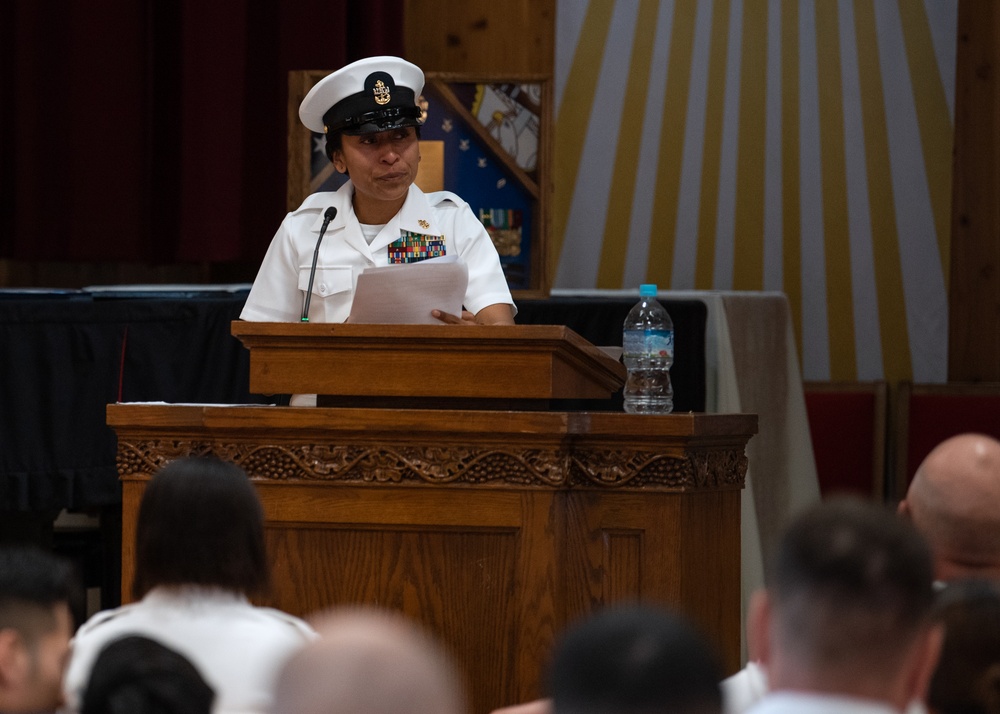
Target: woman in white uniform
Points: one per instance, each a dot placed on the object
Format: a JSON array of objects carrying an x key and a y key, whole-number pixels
[
  {"x": 199, "y": 556},
  {"x": 369, "y": 113}
]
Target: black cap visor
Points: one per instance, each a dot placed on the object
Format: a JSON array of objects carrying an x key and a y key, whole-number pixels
[
  {"x": 379, "y": 120},
  {"x": 362, "y": 113}
]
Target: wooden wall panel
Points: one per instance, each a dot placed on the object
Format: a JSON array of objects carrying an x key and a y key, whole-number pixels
[
  {"x": 615, "y": 553},
  {"x": 400, "y": 569},
  {"x": 446, "y": 559},
  {"x": 481, "y": 35},
  {"x": 974, "y": 299}
]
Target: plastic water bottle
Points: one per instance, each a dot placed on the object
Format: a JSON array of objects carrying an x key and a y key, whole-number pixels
[{"x": 648, "y": 353}]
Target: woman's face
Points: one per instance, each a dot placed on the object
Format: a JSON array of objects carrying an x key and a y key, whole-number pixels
[{"x": 382, "y": 166}]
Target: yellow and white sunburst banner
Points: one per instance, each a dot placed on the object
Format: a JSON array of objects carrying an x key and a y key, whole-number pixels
[{"x": 793, "y": 145}]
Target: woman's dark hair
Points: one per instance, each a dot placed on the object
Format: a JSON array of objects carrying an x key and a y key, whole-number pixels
[
  {"x": 201, "y": 523},
  {"x": 137, "y": 675}
]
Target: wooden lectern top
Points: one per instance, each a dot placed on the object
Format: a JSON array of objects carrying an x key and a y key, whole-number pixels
[{"x": 508, "y": 362}]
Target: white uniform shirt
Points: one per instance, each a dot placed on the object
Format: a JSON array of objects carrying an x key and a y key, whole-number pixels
[
  {"x": 811, "y": 703},
  {"x": 237, "y": 648},
  {"x": 742, "y": 691},
  {"x": 278, "y": 293}
]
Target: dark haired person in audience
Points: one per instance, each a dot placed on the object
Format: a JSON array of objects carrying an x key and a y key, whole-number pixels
[
  {"x": 967, "y": 678},
  {"x": 199, "y": 555},
  {"x": 38, "y": 592},
  {"x": 954, "y": 501},
  {"x": 845, "y": 624},
  {"x": 137, "y": 675},
  {"x": 369, "y": 662},
  {"x": 630, "y": 659},
  {"x": 634, "y": 660}
]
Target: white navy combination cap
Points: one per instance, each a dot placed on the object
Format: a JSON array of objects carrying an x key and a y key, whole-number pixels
[{"x": 372, "y": 94}]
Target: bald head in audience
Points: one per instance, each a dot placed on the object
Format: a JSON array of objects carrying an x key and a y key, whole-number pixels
[
  {"x": 369, "y": 662},
  {"x": 953, "y": 501}
]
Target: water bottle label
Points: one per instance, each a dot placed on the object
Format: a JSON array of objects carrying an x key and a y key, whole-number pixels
[{"x": 648, "y": 342}]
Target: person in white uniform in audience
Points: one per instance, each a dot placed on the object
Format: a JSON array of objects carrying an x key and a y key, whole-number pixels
[
  {"x": 199, "y": 555},
  {"x": 952, "y": 502},
  {"x": 368, "y": 111},
  {"x": 846, "y": 622}
]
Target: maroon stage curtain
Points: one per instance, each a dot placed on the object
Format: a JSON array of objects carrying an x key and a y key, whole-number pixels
[{"x": 155, "y": 130}]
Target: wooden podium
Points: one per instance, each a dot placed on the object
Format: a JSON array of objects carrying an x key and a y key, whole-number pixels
[
  {"x": 494, "y": 527},
  {"x": 428, "y": 365}
]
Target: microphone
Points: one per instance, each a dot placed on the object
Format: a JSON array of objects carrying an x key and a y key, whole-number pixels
[{"x": 328, "y": 215}]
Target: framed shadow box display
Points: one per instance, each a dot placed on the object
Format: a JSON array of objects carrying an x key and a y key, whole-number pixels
[{"x": 486, "y": 138}]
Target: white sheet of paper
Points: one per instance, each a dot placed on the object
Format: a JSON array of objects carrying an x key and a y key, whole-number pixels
[{"x": 406, "y": 294}]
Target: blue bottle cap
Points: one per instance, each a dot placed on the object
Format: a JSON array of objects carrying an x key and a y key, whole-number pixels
[{"x": 647, "y": 290}]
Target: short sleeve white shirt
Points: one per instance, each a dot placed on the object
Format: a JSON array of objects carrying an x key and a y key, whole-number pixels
[{"x": 278, "y": 293}]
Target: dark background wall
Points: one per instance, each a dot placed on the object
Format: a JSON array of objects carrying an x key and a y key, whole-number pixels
[{"x": 152, "y": 134}]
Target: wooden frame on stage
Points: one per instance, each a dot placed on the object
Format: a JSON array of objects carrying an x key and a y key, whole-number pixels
[{"x": 486, "y": 138}]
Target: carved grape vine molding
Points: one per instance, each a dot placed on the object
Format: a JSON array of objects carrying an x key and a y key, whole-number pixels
[{"x": 608, "y": 468}]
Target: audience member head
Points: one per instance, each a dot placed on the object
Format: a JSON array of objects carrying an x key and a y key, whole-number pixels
[
  {"x": 848, "y": 606},
  {"x": 137, "y": 675},
  {"x": 952, "y": 501},
  {"x": 634, "y": 660},
  {"x": 967, "y": 678},
  {"x": 201, "y": 523},
  {"x": 37, "y": 592},
  {"x": 369, "y": 662}
]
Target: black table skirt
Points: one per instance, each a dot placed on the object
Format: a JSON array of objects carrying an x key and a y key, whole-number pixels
[{"x": 63, "y": 357}]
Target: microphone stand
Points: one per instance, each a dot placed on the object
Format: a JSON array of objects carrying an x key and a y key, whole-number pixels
[{"x": 328, "y": 216}]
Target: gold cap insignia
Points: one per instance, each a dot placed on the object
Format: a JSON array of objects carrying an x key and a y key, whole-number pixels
[
  {"x": 381, "y": 93},
  {"x": 424, "y": 224}
]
